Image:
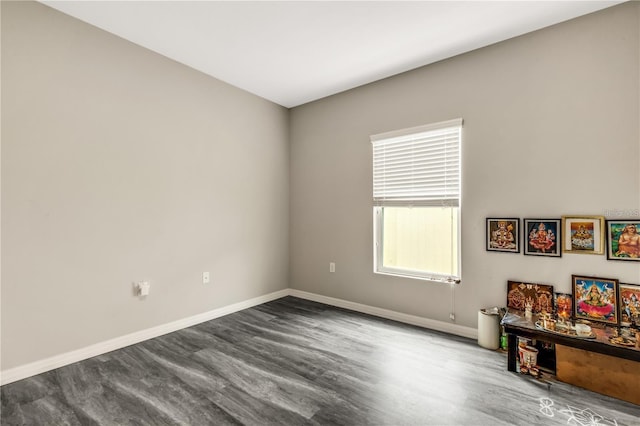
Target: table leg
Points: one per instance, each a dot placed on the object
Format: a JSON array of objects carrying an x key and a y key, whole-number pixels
[{"x": 512, "y": 351}]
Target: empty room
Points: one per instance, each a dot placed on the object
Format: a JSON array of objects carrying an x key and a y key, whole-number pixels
[{"x": 320, "y": 213}]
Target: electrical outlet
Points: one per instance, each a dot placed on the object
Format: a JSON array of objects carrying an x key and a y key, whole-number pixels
[
  {"x": 452, "y": 316},
  {"x": 332, "y": 267},
  {"x": 205, "y": 278},
  {"x": 143, "y": 288}
]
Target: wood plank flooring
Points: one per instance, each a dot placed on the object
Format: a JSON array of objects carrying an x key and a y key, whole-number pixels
[{"x": 295, "y": 362}]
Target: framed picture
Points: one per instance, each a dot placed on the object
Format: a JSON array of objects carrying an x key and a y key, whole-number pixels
[
  {"x": 539, "y": 296},
  {"x": 629, "y": 305},
  {"x": 542, "y": 237},
  {"x": 595, "y": 299},
  {"x": 623, "y": 240},
  {"x": 583, "y": 234},
  {"x": 563, "y": 305},
  {"x": 503, "y": 235}
]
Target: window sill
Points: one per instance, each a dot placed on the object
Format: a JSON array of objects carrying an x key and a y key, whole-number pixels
[{"x": 435, "y": 279}]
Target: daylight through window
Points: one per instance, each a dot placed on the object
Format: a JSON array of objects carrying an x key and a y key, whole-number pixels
[{"x": 416, "y": 198}]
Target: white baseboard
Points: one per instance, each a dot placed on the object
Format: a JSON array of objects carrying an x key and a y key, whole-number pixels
[
  {"x": 57, "y": 361},
  {"x": 446, "y": 327}
]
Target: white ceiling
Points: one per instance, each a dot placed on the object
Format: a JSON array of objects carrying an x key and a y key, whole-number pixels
[{"x": 293, "y": 52}]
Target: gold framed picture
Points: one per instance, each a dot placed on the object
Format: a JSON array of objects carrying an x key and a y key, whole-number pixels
[
  {"x": 595, "y": 299},
  {"x": 583, "y": 234}
]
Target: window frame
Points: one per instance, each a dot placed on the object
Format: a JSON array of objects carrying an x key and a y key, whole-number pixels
[{"x": 378, "y": 214}]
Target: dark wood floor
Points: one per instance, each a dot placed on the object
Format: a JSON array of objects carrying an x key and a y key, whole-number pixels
[{"x": 295, "y": 362}]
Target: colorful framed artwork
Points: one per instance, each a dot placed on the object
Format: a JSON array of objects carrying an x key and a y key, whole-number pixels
[
  {"x": 539, "y": 296},
  {"x": 542, "y": 237},
  {"x": 595, "y": 299},
  {"x": 629, "y": 305},
  {"x": 583, "y": 234},
  {"x": 563, "y": 305},
  {"x": 503, "y": 235},
  {"x": 623, "y": 240}
]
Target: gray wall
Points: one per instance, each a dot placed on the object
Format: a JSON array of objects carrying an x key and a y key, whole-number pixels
[
  {"x": 551, "y": 128},
  {"x": 120, "y": 165},
  {"x": 115, "y": 164}
]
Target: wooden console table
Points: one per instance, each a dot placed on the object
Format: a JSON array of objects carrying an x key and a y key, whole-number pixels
[{"x": 579, "y": 359}]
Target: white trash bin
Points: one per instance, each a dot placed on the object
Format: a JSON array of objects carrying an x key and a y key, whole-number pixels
[{"x": 489, "y": 328}]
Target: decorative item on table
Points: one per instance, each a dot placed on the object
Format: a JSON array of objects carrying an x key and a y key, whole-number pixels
[
  {"x": 627, "y": 333},
  {"x": 583, "y": 234},
  {"x": 562, "y": 304},
  {"x": 548, "y": 322},
  {"x": 553, "y": 326},
  {"x": 623, "y": 240},
  {"x": 563, "y": 326},
  {"x": 623, "y": 341},
  {"x": 503, "y": 234},
  {"x": 583, "y": 330},
  {"x": 539, "y": 296},
  {"x": 542, "y": 237},
  {"x": 595, "y": 299},
  {"x": 629, "y": 305}
]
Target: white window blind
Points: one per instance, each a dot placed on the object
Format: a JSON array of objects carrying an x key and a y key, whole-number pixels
[{"x": 418, "y": 166}]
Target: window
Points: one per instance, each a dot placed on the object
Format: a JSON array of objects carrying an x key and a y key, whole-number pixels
[{"x": 416, "y": 199}]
